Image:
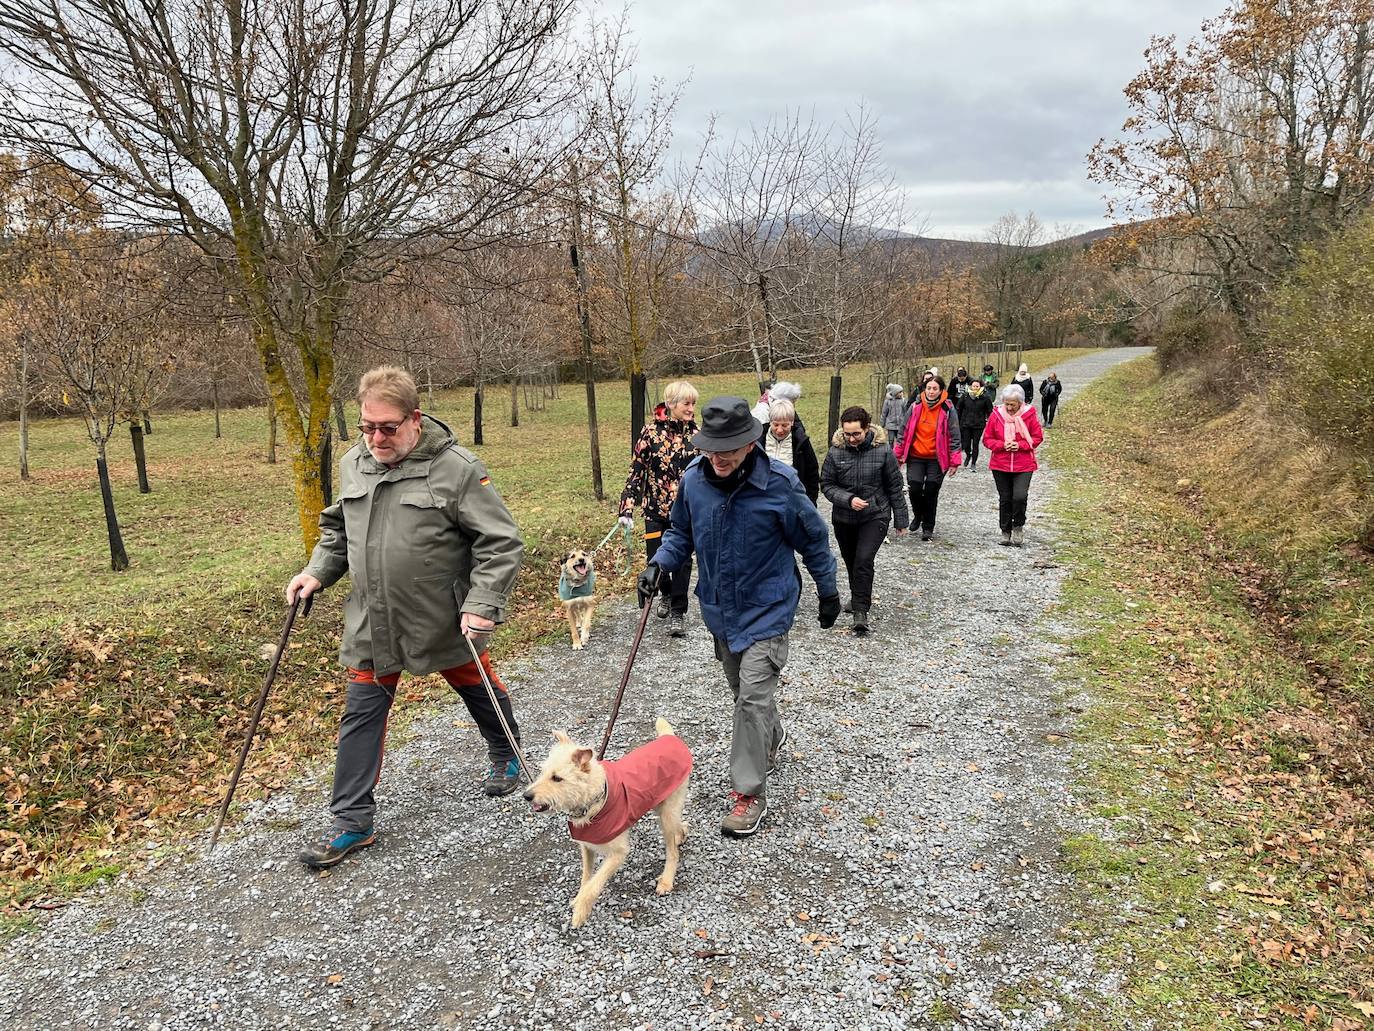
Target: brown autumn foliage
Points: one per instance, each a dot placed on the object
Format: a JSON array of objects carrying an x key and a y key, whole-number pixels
[{"x": 1254, "y": 140}]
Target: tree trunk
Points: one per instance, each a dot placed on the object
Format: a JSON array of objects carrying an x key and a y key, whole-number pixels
[
  {"x": 429, "y": 386},
  {"x": 585, "y": 325},
  {"x": 339, "y": 417},
  {"x": 140, "y": 459},
  {"x": 327, "y": 468},
  {"x": 119, "y": 558},
  {"x": 214, "y": 393},
  {"x": 639, "y": 397},
  {"x": 477, "y": 415},
  {"x": 754, "y": 353},
  {"x": 835, "y": 384},
  {"x": 23, "y": 408},
  {"x": 147, "y": 423},
  {"x": 271, "y": 432},
  {"x": 514, "y": 401},
  {"x": 767, "y": 330}
]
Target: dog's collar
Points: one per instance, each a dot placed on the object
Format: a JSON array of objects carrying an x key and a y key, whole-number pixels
[{"x": 585, "y": 815}]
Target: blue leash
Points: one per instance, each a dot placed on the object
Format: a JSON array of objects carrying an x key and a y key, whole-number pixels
[{"x": 629, "y": 542}]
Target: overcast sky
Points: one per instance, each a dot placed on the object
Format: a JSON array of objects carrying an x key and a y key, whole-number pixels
[{"x": 985, "y": 106}]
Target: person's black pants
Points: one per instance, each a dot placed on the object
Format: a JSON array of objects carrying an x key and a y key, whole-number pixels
[
  {"x": 859, "y": 544},
  {"x": 674, "y": 585},
  {"x": 1012, "y": 491},
  {"x": 362, "y": 734},
  {"x": 971, "y": 438},
  {"x": 1047, "y": 409},
  {"x": 924, "y": 478}
]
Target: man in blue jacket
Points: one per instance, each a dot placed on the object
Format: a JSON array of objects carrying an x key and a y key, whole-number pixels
[{"x": 745, "y": 517}]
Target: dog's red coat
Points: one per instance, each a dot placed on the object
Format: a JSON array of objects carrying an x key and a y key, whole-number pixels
[{"x": 635, "y": 784}]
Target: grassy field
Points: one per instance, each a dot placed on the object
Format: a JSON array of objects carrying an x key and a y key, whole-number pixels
[
  {"x": 124, "y": 694},
  {"x": 1228, "y": 649}
]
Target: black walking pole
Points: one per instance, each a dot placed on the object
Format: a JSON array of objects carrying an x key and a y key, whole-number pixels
[{"x": 257, "y": 714}]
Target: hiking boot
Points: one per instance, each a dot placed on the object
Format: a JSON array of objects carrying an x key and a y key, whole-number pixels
[
  {"x": 776, "y": 750},
  {"x": 677, "y": 625},
  {"x": 746, "y": 813},
  {"x": 860, "y": 626},
  {"x": 1018, "y": 536},
  {"x": 927, "y": 534},
  {"x": 333, "y": 846},
  {"x": 664, "y": 604},
  {"x": 848, "y": 605},
  {"x": 1006, "y": 539},
  {"x": 502, "y": 777}
]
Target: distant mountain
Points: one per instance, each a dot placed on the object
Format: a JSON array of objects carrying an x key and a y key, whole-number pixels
[{"x": 943, "y": 253}]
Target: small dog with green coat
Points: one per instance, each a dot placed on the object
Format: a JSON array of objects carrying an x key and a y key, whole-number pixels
[{"x": 577, "y": 593}]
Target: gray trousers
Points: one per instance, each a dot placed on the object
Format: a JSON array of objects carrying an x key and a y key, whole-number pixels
[{"x": 753, "y": 678}]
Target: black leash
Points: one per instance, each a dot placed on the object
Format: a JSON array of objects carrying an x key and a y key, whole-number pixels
[{"x": 625, "y": 677}]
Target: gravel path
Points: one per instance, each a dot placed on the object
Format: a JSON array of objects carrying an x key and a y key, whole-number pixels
[{"x": 906, "y": 876}]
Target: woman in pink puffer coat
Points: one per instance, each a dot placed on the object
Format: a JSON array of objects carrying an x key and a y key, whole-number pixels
[{"x": 1011, "y": 436}]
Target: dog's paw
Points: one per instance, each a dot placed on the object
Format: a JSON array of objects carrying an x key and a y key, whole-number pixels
[
  {"x": 581, "y": 911},
  {"x": 577, "y": 646},
  {"x": 664, "y": 885},
  {"x": 585, "y": 635}
]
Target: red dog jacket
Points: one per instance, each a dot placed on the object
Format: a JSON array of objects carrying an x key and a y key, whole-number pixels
[{"x": 635, "y": 784}]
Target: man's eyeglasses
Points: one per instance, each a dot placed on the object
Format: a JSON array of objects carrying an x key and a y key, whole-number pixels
[{"x": 386, "y": 429}]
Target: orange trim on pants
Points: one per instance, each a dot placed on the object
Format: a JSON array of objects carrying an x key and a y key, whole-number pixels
[{"x": 465, "y": 675}]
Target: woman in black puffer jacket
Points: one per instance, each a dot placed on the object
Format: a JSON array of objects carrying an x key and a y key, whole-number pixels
[{"x": 863, "y": 482}]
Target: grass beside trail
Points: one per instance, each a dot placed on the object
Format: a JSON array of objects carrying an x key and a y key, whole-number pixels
[
  {"x": 1228, "y": 628},
  {"x": 123, "y": 696}
]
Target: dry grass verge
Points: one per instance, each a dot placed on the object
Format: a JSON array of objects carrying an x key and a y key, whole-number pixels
[{"x": 1227, "y": 630}]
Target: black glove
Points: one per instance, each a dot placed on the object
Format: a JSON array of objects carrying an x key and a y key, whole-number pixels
[
  {"x": 647, "y": 584},
  {"x": 830, "y": 611}
]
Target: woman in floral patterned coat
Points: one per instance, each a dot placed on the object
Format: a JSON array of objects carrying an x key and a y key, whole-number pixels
[{"x": 663, "y": 451}]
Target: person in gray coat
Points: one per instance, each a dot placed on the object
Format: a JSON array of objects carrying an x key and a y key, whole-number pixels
[
  {"x": 894, "y": 411},
  {"x": 433, "y": 553},
  {"x": 863, "y": 482}
]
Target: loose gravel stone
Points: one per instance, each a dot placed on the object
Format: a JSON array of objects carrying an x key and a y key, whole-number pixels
[{"x": 908, "y": 861}]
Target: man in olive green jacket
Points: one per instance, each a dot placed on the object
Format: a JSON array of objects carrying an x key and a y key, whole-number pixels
[{"x": 433, "y": 552}]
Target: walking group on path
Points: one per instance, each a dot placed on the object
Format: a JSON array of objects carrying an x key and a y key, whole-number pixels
[
  {"x": 909, "y": 861},
  {"x": 433, "y": 551}
]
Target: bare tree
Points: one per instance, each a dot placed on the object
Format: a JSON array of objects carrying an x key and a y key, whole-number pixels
[
  {"x": 858, "y": 209},
  {"x": 91, "y": 307},
  {"x": 306, "y": 148},
  {"x": 755, "y": 193},
  {"x": 39, "y": 205},
  {"x": 642, "y": 223}
]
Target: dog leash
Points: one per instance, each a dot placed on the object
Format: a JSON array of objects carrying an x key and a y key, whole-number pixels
[
  {"x": 501, "y": 716},
  {"x": 625, "y": 678},
  {"x": 629, "y": 542}
]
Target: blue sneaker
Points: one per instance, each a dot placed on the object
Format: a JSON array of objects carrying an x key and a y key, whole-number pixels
[
  {"x": 333, "y": 846},
  {"x": 503, "y": 777}
]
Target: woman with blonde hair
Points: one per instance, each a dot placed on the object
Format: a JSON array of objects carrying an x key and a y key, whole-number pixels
[{"x": 661, "y": 455}]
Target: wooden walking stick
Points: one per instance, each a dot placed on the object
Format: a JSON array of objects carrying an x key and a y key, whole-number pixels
[{"x": 257, "y": 714}]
